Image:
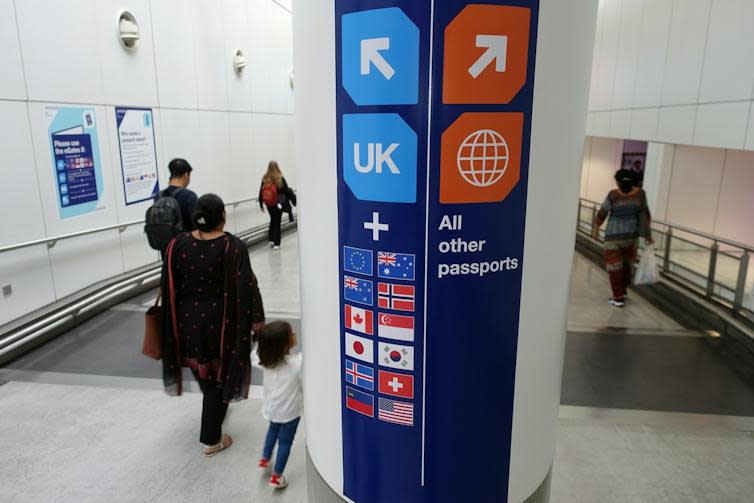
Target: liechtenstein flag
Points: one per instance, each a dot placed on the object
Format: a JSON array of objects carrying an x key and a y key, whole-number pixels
[
  {"x": 357, "y": 290},
  {"x": 400, "y": 266}
]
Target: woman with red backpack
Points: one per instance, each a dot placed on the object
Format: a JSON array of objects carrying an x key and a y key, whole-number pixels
[{"x": 275, "y": 194}]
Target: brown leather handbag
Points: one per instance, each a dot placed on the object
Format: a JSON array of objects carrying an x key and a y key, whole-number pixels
[{"x": 153, "y": 331}]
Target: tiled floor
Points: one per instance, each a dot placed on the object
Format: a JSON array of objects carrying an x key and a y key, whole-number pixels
[{"x": 80, "y": 425}]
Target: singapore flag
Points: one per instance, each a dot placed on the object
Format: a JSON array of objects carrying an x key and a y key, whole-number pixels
[{"x": 393, "y": 326}]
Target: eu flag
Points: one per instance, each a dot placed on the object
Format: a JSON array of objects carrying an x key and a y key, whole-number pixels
[{"x": 357, "y": 260}]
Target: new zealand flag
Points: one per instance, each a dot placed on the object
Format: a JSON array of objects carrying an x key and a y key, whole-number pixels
[{"x": 357, "y": 290}]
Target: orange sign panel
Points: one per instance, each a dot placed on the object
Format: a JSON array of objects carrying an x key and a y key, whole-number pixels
[
  {"x": 480, "y": 160},
  {"x": 486, "y": 54}
]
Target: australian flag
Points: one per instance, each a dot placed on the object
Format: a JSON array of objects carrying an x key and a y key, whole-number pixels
[
  {"x": 400, "y": 266},
  {"x": 357, "y": 260},
  {"x": 357, "y": 290}
]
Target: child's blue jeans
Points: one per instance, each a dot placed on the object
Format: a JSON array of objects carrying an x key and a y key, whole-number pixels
[{"x": 283, "y": 434}]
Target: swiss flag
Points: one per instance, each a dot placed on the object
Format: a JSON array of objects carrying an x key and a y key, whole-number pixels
[
  {"x": 394, "y": 384},
  {"x": 359, "y": 320}
]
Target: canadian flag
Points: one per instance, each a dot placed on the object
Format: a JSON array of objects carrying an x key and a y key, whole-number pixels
[{"x": 360, "y": 320}]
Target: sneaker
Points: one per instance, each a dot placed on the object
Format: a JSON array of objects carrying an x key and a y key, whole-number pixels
[
  {"x": 278, "y": 481},
  {"x": 276, "y": 247},
  {"x": 263, "y": 464},
  {"x": 272, "y": 243},
  {"x": 616, "y": 302}
]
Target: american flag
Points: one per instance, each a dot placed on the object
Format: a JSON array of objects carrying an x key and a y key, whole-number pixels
[{"x": 396, "y": 412}]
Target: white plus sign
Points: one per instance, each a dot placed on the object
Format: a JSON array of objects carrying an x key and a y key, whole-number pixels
[
  {"x": 395, "y": 384},
  {"x": 376, "y": 227}
]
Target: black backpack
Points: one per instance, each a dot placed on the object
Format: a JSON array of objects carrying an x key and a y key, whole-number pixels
[{"x": 163, "y": 220}]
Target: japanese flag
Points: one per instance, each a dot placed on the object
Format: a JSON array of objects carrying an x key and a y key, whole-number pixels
[
  {"x": 360, "y": 348},
  {"x": 396, "y": 356}
]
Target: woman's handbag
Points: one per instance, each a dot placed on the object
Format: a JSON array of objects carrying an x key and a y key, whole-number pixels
[{"x": 153, "y": 331}]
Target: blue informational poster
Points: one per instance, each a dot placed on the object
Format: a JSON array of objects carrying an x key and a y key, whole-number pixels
[
  {"x": 74, "y": 146},
  {"x": 434, "y": 104},
  {"x": 138, "y": 154}
]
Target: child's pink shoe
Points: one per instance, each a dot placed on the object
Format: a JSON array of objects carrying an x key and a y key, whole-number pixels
[{"x": 278, "y": 481}]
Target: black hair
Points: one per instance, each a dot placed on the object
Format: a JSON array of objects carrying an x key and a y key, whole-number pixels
[
  {"x": 209, "y": 213},
  {"x": 274, "y": 343},
  {"x": 626, "y": 180},
  {"x": 179, "y": 167}
]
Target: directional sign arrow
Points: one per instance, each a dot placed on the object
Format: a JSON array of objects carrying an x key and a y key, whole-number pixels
[
  {"x": 497, "y": 49},
  {"x": 370, "y": 54}
]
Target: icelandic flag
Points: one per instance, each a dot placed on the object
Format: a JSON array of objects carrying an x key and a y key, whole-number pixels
[
  {"x": 357, "y": 260},
  {"x": 393, "y": 326},
  {"x": 360, "y": 375},
  {"x": 357, "y": 290},
  {"x": 396, "y": 297},
  {"x": 360, "y": 320},
  {"x": 363, "y": 403},
  {"x": 400, "y": 266}
]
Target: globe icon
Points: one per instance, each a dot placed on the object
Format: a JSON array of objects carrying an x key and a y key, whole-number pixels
[{"x": 483, "y": 158}]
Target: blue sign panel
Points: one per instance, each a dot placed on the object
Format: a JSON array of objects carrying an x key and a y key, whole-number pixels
[
  {"x": 432, "y": 209},
  {"x": 379, "y": 152},
  {"x": 380, "y": 57}
]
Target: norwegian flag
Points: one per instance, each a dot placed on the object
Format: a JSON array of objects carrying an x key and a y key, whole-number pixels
[{"x": 396, "y": 297}]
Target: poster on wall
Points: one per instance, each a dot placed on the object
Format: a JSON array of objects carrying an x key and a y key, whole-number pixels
[
  {"x": 74, "y": 146},
  {"x": 138, "y": 154}
]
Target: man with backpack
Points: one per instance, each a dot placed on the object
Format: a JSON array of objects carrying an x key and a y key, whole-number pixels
[{"x": 172, "y": 208}]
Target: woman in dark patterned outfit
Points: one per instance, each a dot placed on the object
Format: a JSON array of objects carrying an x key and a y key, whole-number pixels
[
  {"x": 212, "y": 306},
  {"x": 627, "y": 214}
]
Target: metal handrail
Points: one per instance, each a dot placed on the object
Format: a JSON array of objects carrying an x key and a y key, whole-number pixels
[
  {"x": 50, "y": 242},
  {"x": 688, "y": 230},
  {"x": 712, "y": 287}
]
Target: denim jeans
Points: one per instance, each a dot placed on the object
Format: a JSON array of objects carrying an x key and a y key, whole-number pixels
[{"x": 283, "y": 434}]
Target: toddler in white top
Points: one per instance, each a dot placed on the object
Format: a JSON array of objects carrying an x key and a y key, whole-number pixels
[{"x": 283, "y": 395}]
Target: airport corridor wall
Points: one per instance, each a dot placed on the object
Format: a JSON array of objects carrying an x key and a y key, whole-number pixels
[{"x": 65, "y": 59}]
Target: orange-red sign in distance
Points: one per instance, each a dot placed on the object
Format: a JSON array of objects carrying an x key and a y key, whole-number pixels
[
  {"x": 480, "y": 159},
  {"x": 486, "y": 54}
]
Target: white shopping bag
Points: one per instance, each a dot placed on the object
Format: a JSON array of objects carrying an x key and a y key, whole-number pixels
[{"x": 647, "y": 273}]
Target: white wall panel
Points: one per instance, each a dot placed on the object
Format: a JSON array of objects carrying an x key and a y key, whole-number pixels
[
  {"x": 213, "y": 63},
  {"x": 136, "y": 250},
  {"x": 627, "y": 59},
  {"x": 750, "y": 130},
  {"x": 658, "y": 172},
  {"x": 608, "y": 49},
  {"x": 653, "y": 45},
  {"x": 80, "y": 262},
  {"x": 212, "y": 174},
  {"x": 129, "y": 77},
  {"x": 644, "y": 123},
  {"x": 20, "y": 194},
  {"x": 238, "y": 35},
  {"x": 599, "y": 124},
  {"x": 676, "y": 124},
  {"x": 242, "y": 168},
  {"x": 173, "y": 30},
  {"x": 178, "y": 136},
  {"x": 728, "y": 69},
  {"x": 12, "y": 85},
  {"x": 736, "y": 204},
  {"x": 60, "y": 50},
  {"x": 688, "y": 36},
  {"x": 585, "y": 167},
  {"x": 722, "y": 124},
  {"x": 272, "y": 57},
  {"x": 620, "y": 123},
  {"x": 273, "y": 138},
  {"x": 604, "y": 161},
  {"x": 694, "y": 188},
  {"x": 28, "y": 273}
]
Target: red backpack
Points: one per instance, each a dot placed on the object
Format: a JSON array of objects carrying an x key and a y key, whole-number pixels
[{"x": 270, "y": 196}]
